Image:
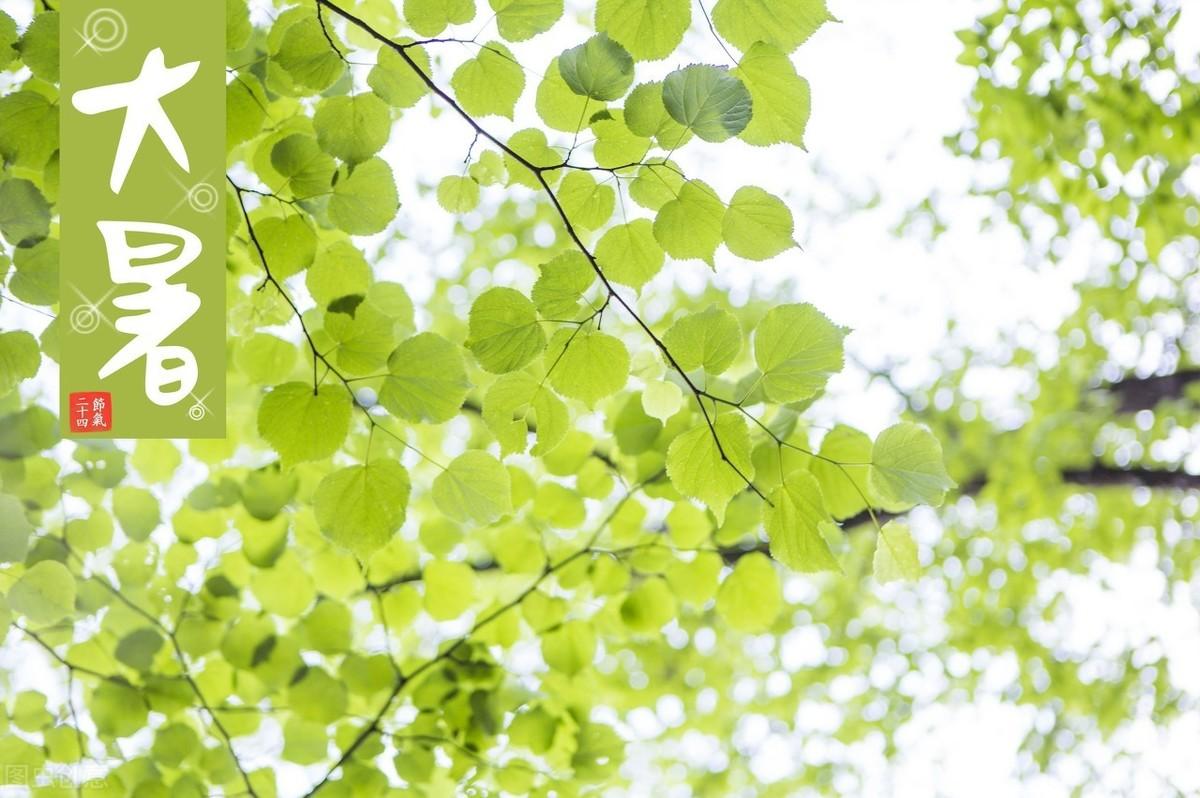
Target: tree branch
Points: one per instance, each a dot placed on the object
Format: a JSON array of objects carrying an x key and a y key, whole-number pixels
[
  {"x": 1144, "y": 393},
  {"x": 1103, "y": 476},
  {"x": 539, "y": 173}
]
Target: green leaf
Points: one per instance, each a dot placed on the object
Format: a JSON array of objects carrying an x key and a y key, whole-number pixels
[
  {"x": 689, "y": 226},
  {"x": 649, "y": 606},
  {"x": 8, "y": 38},
  {"x": 588, "y": 203},
  {"x": 20, "y": 358},
  {"x": 695, "y": 582},
  {"x": 362, "y": 342},
  {"x": 265, "y": 492},
  {"x": 15, "y": 529},
  {"x": 174, "y": 743},
  {"x": 45, "y": 593},
  {"x": 561, "y": 286},
  {"x": 90, "y": 533},
  {"x": 711, "y": 340},
  {"x": 616, "y": 146},
  {"x": 844, "y": 481},
  {"x": 352, "y": 128},
  {"x": 328, "y": 628},
  {"x": 138, "y": 648},
  {"x": 649, "y": 29},
  {"x": 504, "y": 333},
  {"x": 587, "y": 365},
  {"x": 430, "y": 17},
  {"x": 570, "y": 648},
  {"x": 662, "y": 399},
  {"x": 238, "y": 28},
  {"x": 289, "y": 244},
  {"x": 757, "y": 226},
  {"x": 896, "y": 554},
  {"x": 629, "y": 253},
  {"x": 751, "y": 597},
  {"x": 118, "y": 709},
  {"x": 24, "y": 212},
  {"x": 300, "y": 161},
  {"x": 245, "y": 110},
  {"x": 533, "y": 729},
  {"x": 339, "y": 270},
  {"x": 506, "y": 408},
  {"x": 283, "y": 588},
  {"x": 360, "y": 508},
  {"x": 302, "y": 424},
  {"x": 489, "y": 169},
  {"x": 427, "y": 380},
  {"x": 599, "y": 68},
  {"x": 656, "y": 184},
  {"x": 708, "y": 100},
  {"x": 28, "y": 129},
  {"x": 519, "y": 20},
  {"x": 365, "y": 202},
  {"x": 558, "y": 106},
  {"x": 136, "y": 510},
  {"x": 782, "y": 99},
  {"x": 688, "y": 525},
  {"x": 315, "y": 695},
  {"x": 36, "y": 280},
  {"x": 797, "y": 349},
  {"x": 449, "y": 589},
  {"x": 786, "y": 24},
  {"x": 396, "y": 83},
  {"x": 490, "y": 83},
  {"x": 701, "y": 470},
  {"x": 39, "y": 46},
  {"x": 907, "y": 467},
  {"x": 793, "y": 521},
  {"x": 532, "y": 146},
  {"x": 392, "y": 300},
  {"x": 634, "y": 429},
  {"x": 474, "y": 488},
  {"x": 458, "y": 194},
  {"x": 646, "y": 115},
  {"x": 265, "y": 359},
  {"x": 23, "y": 434},
  {"x": 305, "y": 54}
]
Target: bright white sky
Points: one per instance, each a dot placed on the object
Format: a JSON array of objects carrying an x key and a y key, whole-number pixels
[{"x": 886, "y": 89}]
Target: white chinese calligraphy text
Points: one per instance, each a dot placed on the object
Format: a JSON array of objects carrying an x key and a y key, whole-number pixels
[{"x": 164, "y": 306}]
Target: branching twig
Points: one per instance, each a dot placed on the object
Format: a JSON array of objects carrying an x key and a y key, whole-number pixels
[{"x": 539, "y": 173}]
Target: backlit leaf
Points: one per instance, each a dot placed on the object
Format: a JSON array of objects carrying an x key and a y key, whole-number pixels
[
  {"x": 360, "y": 507},
  {"x": 504, "y": 331},
  {"x": 708, "y": 100},
  {"x": 896, "y": 554},
  {"x": 474, "y": 488},
  {"x": 708, "y": 471},
  {"x": 600, "y": 68},
  {"x": 907, "y": 467},
  {"x": 648, "y": 29},
  {"x": 426, "y": 380},
  {"x": 302, "y": 423},
  {"x": 793, "y": 522},
  {"x": 797, "y": 349}
]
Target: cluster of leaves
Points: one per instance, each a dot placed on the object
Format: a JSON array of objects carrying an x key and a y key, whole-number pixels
[
  {"x": 406, "y": 500},
  {"x": 1087, "y": 109}
]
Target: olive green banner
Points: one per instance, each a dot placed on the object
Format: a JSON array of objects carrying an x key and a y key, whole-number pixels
[{"x": 142, "y": 204}]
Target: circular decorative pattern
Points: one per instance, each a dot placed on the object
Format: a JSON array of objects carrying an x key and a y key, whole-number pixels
[
  {"x": 197, "y": 412},
  {"x": 105, "y": 30},
  {"x": 203, "y": 197},
  {"x": 85, "y": 319}
]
